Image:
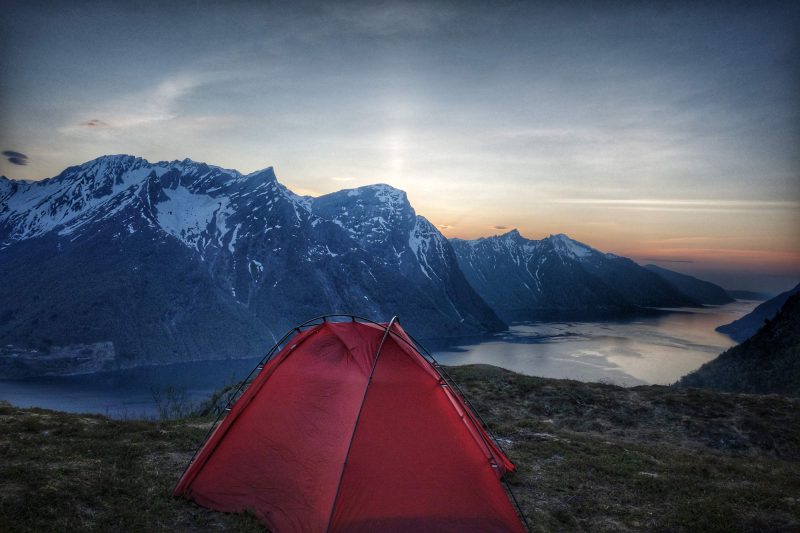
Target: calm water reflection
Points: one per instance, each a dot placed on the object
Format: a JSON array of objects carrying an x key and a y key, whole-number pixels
[
  {"x": 126, "y": 393},
  {"x": 656, "y": 349}
]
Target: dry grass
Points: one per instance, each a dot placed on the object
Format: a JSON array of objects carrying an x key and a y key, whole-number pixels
[
  {"x": 595, "y": 457},
  {"x": 64, "y": 472},
  {"x": 591, "y": 457}
]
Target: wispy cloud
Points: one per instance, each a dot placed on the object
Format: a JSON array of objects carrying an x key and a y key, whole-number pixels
[
  {"x": 684, "y": 240},
  {"x": 722, "y": 256},
  {"x": 156, "y": 105},
  {"x": 141, "y": 109},
  {"x": 673, "y": 205},
  {"x": 343, "y": 179}
]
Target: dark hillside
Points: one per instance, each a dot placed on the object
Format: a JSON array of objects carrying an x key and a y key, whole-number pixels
[
  {"x": 745, "y": 327},
  {"x": 767, "y": 362},
  {"x": 702, "y": 291}
]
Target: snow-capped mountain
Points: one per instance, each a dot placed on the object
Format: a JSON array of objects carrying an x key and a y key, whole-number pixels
[
  {"x": 524, "y": 279},
  {"x": 182, "y": 260}
]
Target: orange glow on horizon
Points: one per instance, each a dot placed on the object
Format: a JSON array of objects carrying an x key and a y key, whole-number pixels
[
  {"x": 721, "y": 252},
  {"x": 766, "y": 261}
]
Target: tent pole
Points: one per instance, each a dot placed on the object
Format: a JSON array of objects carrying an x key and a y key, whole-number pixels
[
  {"x": 247, "y": 380},
  {"x": 240, "y": 391},
  {"x": 358, "y": 416}
]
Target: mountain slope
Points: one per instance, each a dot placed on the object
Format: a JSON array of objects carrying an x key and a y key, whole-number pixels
[
  {"x": 767, "y": 362},
  {"x": 181, "y": 260},
  {"x": 741, "y": 294},
  {"x": 745, "y": 327},
  {"x": 558, "y": 277},
  {"x": 697, "y": 289},
  {"x": 385, "y": 225}
]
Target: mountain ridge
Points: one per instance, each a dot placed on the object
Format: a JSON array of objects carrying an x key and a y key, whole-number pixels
[
  {"x": 703, "y": 291},
  {"x": 119, "y": 241},
  {"x": 559, "y": 277}
]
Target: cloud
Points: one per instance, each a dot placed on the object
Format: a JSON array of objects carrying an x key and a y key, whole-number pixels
[
  {"x": 159, "y": 121},
  {"x": 683, "y": 240},
  {"x": 498, "y": 227},
  {"x": 649, "y": 204},
  {"x": 343, "y": 179},
  {"x": 94, "y": 123},
  {"x": 658, "y": 260},
  {"x": 444, "y": 227},
  {"x": 140, "y": 111},
  {"x": 17, "y": 158}
]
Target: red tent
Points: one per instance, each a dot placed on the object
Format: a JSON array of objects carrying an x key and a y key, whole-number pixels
[{"x": 348, "y": 427}]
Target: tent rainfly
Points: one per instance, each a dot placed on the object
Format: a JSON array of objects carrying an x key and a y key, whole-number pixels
[{"x": 348, "y": 427}]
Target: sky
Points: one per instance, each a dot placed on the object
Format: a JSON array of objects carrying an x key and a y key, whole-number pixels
[{"x": 667, "y": 132}]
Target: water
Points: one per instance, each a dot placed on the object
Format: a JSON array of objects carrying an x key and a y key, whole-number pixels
[
  {"x": 127, "y": 393},
  {"x": 653, "y": 350},
  {"x": 658, "y": 349}
]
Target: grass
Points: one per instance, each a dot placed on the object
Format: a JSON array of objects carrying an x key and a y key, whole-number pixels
[
  {"x": 590, "y": 457},
  {"x": 65, "y": 472},
  {"x": 595, "y": 457}
]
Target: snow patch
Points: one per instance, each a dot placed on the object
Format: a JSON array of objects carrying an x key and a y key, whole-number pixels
[
  {"x": 232, "y": 242},
  {"x": 424, "y": 242},
  {"x": 190, "y": 217},
  {"x": 565, "y": 246},
  {"x": 256, "y": 269}
]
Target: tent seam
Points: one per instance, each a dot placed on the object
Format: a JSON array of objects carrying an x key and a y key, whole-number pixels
[{"x": 358, "y": 419}]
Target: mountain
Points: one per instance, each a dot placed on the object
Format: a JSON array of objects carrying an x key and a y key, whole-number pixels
[
  {"x": 137, "y": 262},
  {"x": 768, "y": 362},
  {"x": 746, "y": 327},
  {"x": 558, "y": 277},
  {"x": 701, "y": 291},
  {"x": 741, "y": 294}
]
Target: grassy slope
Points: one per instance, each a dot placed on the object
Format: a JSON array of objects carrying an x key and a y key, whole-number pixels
[
  {"x": 603, "y": 458},
  {"x": 590, "y": 457}
]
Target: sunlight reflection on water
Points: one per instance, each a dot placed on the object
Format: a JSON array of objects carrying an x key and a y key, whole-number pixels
[{"x": 652, "y": 350}]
